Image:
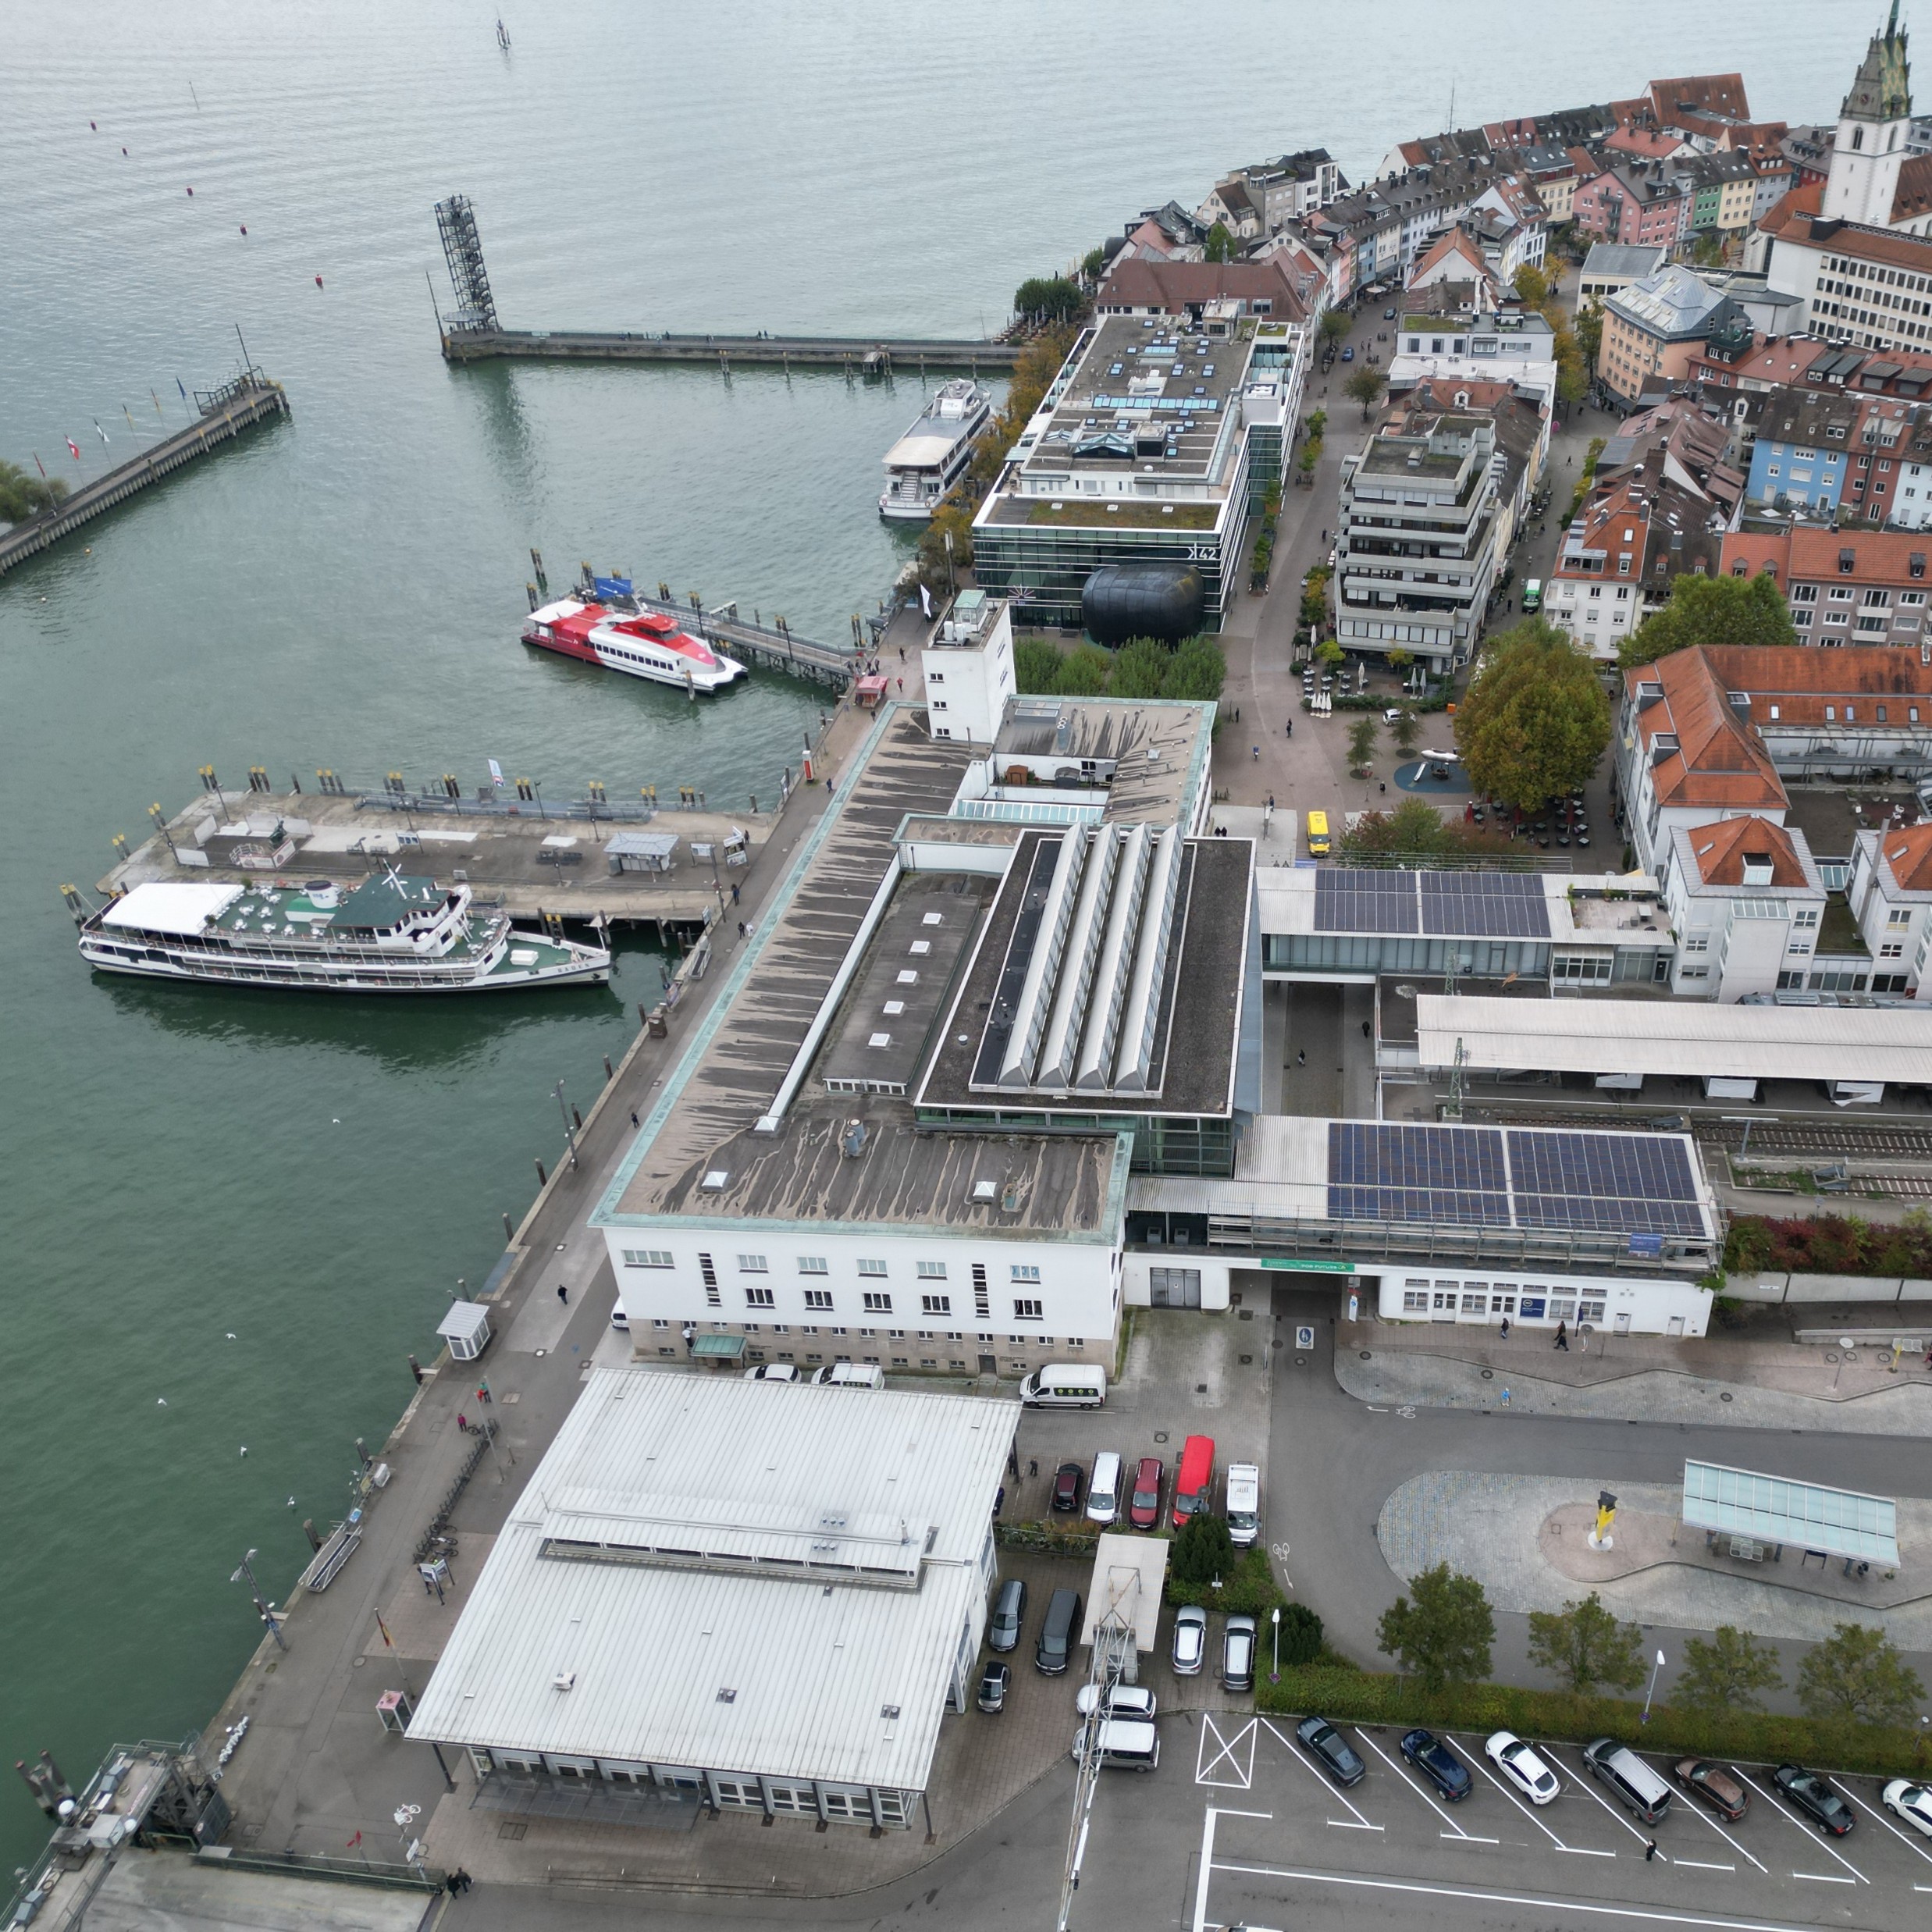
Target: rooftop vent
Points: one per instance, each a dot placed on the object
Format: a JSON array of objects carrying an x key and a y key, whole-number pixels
[
  {"x": 888, "y": 1710},
  {"x": 985, "y": 1190},
  {"x": 727, "y": 1696},
  {"x": 851, "y": 1143},
  {"x": 1009, "y": 1198},
  {"x": 564, "y": 1681},
  {"x": 714, "y": 1181}
]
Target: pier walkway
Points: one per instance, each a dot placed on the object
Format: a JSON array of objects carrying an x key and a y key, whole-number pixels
[
  {"x": 774, "y": 645},
  {"x": 225, "y": 412},
  {"x": 858, "y": 355}
]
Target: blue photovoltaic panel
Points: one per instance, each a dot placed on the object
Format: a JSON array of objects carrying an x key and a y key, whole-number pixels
[
  {"x": 1621, "y": 1183},
  {"x": 1359, "y": 900},
  {"x": 1485, "y": 905},
  {"x": 1388, "y": 1172}
]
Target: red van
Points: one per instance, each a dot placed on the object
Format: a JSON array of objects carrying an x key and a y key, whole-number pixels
[{"x": 1193, "y": 1481}]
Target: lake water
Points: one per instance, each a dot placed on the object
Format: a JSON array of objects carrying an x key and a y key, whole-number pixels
[{"x": 231, "y": 1216}]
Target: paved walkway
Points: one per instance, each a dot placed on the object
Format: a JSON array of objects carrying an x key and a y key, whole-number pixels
[
  {"x": 1503, "y": 1530},
  {"x": 1638, "y": 1379}
]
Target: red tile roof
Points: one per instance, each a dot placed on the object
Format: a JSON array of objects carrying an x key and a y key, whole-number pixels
[
  {"x": 1719, "y": 759},
  {"x": 1722, "y": 851},
  {"x": 1806, "y": 554},
  {"x": 1713, "y": 94},
  {"x": 1135, "y": 283},
  {"x": 1908, "y": 855}
]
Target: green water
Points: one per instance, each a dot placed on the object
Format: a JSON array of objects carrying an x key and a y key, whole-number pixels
[{"x": 231, "y": 1216}]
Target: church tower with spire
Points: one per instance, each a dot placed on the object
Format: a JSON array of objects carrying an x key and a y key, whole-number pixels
[{"x": 1873, "y": 126}]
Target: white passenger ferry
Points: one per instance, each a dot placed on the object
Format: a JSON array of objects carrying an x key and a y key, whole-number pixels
[
  {"x": 931, "y": 457},
  {"x": 640, "y": 643},
  {"x": 386, "y": 934}
]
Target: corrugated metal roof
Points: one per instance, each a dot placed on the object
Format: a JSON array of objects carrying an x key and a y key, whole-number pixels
[
  {"x": 1692, "y": 1038},
  {"x": 1840, "y": 1522},
  {"x": 737, "y": 1598}
]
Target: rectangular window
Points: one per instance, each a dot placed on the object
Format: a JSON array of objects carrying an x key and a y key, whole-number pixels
[
  {"x": 1898, "y": 916},
  {"x": 1414, "y": 1300},
  {"x": 1022, "y": 1272},
  {"x": 758, "y": 1297},
  {"x": 935, "y": 1304},
  {"x": 647, "y": 1258},
  {"x": 876, "y": 1270},
  {"x": 752, "y": 1265},
  {"x": 1026, "y": 1311},
  {"x": 877, "y": 1304},
  {"x": 818, "y": 1298},
  {"x": 931, "y": 1271},
  {"x": 812, "y": 1265}
]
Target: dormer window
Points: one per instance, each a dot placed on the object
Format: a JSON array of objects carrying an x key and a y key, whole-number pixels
[{"x": 1846, "y": 560}]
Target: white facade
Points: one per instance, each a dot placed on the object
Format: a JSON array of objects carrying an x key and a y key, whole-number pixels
[
  {"x": 1734, "y": 940},
  {"x": 1609, "y": 1305},
  {"x": 1518, "y": 350},
  {"x": 969, "y": 668},
  {"x": 1894, "y": 921},
  {"x": 907, "y": 1299}
]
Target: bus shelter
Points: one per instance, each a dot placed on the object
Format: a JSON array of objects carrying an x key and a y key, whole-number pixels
[{"x": 1758, "y": 1515}]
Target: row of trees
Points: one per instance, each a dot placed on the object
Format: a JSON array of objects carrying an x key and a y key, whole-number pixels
[
  {"x": 1143, "y": 667},
  {"x": 1441, "y": 1632},
  {"x": 1573, "y": 372}
]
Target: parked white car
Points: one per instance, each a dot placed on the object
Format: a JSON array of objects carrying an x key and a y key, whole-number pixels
[
  {"x": 1190, "y": 1650},
  {"x": 1127, "y": 1700},
  {"x": 772, "y": 1372},
  {"x": 1912, "y": 1802},
  {"x": 1521, "y": 1767}
]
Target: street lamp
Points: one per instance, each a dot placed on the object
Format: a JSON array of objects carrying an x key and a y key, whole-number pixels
[
  {"x": 246, "y": 1574},
  {"x": 1274, "y": 1675},
  {"x": 1645, "y": 1716}
]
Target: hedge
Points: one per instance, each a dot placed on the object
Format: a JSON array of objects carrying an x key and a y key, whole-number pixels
[
  {"x": 1828, "y": 1244},
  {"x": 1251, "y": 1588},
  {"x": 1367, "y": 1697}
]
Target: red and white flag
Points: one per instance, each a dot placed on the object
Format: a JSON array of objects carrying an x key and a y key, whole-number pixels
[{"x": 74, "y": 447}]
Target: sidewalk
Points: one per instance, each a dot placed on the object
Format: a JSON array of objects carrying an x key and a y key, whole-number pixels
[{"x": 1749, "y": 1382}]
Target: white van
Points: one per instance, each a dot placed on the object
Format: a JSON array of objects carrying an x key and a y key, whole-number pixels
[
  {"x": 1103, "y": 1493},
  {"x": 1064, "y": 1385},
  {"x": 850, "y": 1375},
  {"x": 1244, "y": 1503},
  {"x": 1126, "y": 1744}
]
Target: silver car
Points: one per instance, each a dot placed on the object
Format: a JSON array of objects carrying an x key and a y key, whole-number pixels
[
  {"x": 1190, "y": 1650},
  {"x": 1237, "y": 1653}
]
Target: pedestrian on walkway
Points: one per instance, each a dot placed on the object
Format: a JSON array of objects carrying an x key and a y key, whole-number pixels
[
  {"x": 1649, "y": 1850},
  {"x": 1563, "y": 1336},
  {"x": 1506, "y": 1327},
  {"x": 1291, "y": 728},
  {"x": 734, "y": 891},
  {"x": 563, "y": 1294},
  {"x": 462, "y": 1421},
  {"x": 634, "y": 1118},
  {"x": 452, "y": 1884},
  {"x": 482, "y": 1393},
  {"x": 1301, "y": 1057},
  {"x": 1257, "y": 754}
]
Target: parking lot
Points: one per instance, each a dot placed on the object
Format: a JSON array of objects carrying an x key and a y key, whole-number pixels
[{"x": 1282, "y": 1835}]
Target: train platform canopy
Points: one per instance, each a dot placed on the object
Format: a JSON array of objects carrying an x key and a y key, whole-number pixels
[
  {"x": 1772, "y": 1510},
  {"x": 1693, "y": 1039}
]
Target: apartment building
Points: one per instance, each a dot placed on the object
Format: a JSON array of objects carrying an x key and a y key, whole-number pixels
[
  {"x": 1640, "y": 204},
  {"x": 1802, "y": 456},
  {"x": 1890, "y": 892},
  {"x": 1863, "y": 587},
  {"x": 1746, "y": 900},
  {"x": 1653, "y": 328},
  {"x": 1621, "y": 556}
]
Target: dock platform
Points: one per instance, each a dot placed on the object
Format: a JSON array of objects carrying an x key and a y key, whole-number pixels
[
  {"x": 225, "y": 413},
  {"x": 859, "y": 355},
  {"x": 535, "y": 860}
]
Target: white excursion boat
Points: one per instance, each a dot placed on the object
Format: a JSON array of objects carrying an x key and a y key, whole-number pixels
[
  {"x": 387, "y": 934},
  {"x": 931, "y": 457},
  {"x": 639, "y": 643}
]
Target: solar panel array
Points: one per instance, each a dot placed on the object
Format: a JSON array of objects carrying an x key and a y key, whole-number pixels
[
  {"x": 1425, "y": 1174},
  {"x": 1593, "y": 1183},
  {"x": 1485, "y": 905},
  {"x": 1622, "y": 1184},
  {"x": 1449, "y": 904},
  {"x": 1349, "y": 901}
]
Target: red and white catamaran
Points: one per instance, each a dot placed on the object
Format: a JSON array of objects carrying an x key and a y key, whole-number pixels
[{"x": 639, "y": 642}]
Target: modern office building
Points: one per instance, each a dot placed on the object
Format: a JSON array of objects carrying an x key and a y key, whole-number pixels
[{"x": 1140, "y": 453}]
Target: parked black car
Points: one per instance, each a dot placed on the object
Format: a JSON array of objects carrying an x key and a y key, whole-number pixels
[
  {"x": 1437, "y": 1763},
  {"x": 1332, "y": 1751},
  {"x": 1069, "y": 1485},
  {"x": 1806, "y": 1791}
]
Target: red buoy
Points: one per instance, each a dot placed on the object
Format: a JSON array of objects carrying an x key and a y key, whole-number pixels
[{"x": 318, "y": 281}]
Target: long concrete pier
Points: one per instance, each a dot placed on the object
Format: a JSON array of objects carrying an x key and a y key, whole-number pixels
[
  {"x": 859, "y": 355},
  {"x": 225, "y": 414}
]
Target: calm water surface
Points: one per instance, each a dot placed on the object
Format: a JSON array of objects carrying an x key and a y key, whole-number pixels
[{"x": 230, "y": 1216}]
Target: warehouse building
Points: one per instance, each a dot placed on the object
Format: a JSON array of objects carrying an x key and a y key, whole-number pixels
[{"x": 758, "y": 1595}]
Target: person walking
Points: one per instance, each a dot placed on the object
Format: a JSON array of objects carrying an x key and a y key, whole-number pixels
[
  {"x": 634, "y": 1118},
  {"x": 1649, "y": 1850},
  {"x": 482, "y": 1393},
  {"x": 462, "y": 1421},
  {"x": 462, "y": 1879},
  {"x": 1506, "y": 1327},
  {"x": 1301, "y": 1056},
  {"x": 563, "y": 1294},
  {"x": 1563, "y": 1336},
  {"x": 1257, "y": 754},
  {"x": 1291, "y": 728}
]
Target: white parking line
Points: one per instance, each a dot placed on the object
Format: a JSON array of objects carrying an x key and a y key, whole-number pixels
[
  {"x": 1207, "y": 1763},
  {"x": 1583, "y": 1783},
  {"x": 1292, "y": 1747},
  {"x": 1888, "y": 1824},
  {"x": 1696, "y": 1810},
  {"x": 1825, "y": 1878},
  {"x": 1698, "y": 1865},
  {"x": 1807, "y": 1832},
  {"x": 1581, "y": 1907},
  {"x": 1455, "y": 1830}
]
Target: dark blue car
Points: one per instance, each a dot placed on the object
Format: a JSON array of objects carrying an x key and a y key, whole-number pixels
[{"x": 1437, "y": 1763}]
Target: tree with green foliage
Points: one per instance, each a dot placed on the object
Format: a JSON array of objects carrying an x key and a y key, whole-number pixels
[
  {"x": 1300, "y": 1635},
  {"x": 23, "y": 496},
  {"x": 1534, "y": 720},
  {"x": 1197, "y": 670},
  {"x": 1364, "y": 386},
  {"x": 1361, "y": 742},
  {"x": 1202, "y": 1550},
  {"x": 1441, "y": 1631},
  {"x": 1221, "y": 245},
  {"x": 1083, "y": 672},
  {"x": 1857, "y": 1673},
  {"x": 1093, "y": 264},
  {"x": 1140, "y": 669},
  {"x": 1726, "y": 1672},
  {"x": 1708, "y": 250},
  {"x": 1335, "y": 324},
  {"x": 1573, "y": 377},
  {"x": 1317, "y": 423},
  {"x": 939, "y": 569},
  {"x": 1408, "y": 728},
  {"x": 1414, "y": 830},
  {"x": 1049, "y": 298},
  {"x": 1711, "y": 610},
  {"x": 1036, "y": 666},
  {"x": 1532, "y": 285},
  {"x": 1585, "y": 1645},
  {"x": 1588, "y": 330}
]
